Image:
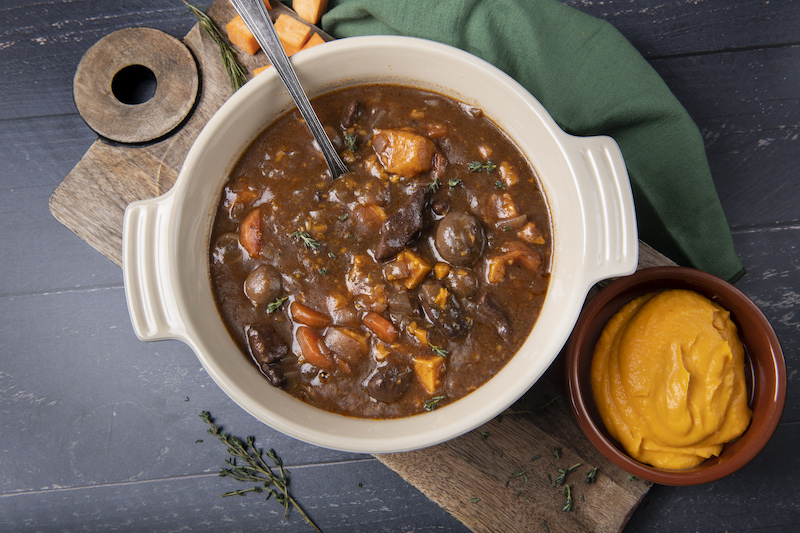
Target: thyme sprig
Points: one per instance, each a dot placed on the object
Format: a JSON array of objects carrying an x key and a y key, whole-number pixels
[
  {"x": 591, "y": 476},
  {"x": 433, "y": 403},
  {"x": 276, "y": 304},
  {"x": 306, "y": 239},
  {"x": 247, "y": 464},
  {"x": 438, "y": 350},
  {"x": 351, "y": 141},
  {"x": 563, "y": 474},
  {"x": 235, "y": 70},
  {"x": 477, "y": 166}
]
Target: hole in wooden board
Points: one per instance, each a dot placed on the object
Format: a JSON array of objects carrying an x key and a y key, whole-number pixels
[{"x": 134, "y": 84}]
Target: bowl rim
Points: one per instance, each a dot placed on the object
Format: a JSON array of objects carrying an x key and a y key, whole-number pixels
[
  {"x": 607, "y": 302},
  {"x": 182, "y": 231}
]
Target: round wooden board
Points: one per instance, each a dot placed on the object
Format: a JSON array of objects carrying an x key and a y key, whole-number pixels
[{"x": 144, "y": 49}]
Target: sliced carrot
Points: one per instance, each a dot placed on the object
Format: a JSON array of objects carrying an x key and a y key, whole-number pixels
[
  {"x": 308, "y": 316},
  {"x": 293, "y": 33},
  {"x": 313, "y": 348},
  {"x": 250, "y": 232},
  {"x": 313, "y": 41},
  {"x": 381, "y": 327},
  {"x": 310, "y": 10}
]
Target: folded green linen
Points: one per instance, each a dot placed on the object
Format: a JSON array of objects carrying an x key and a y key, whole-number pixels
[{"x": 592, "y": 81}]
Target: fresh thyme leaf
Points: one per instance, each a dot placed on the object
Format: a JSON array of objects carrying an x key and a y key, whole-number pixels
[
  {"x": 484, "y": 435},
  {"x": 350, "y": 141},
  {"x": 542, "y": 407},
  {"x": 631, "y": 477},
  {"x": 499, "y": 184},
  {"x": 535, "y": 457},
  {"x": 433, "y": 403},
  {"x": 438, "y": 350},
  {"x": 254, "y": 469},
  {"x": 306, "y": 239},
  {"x": 563, "y": 474},
  {"x": 474, "y": 500},
  {"x": 557, "y": 452},
  {"x": 332, "y": 255},
  {"x": 276, "y": 304},
  {"x": 323, "y": 271},
  {"x": 343, "y": 217},
  {"x": 568, "y": 503},
  {"x": 235, "y": 70},
  {"x": 477, "y": 166},
  {"x": 454, "y": 183},
  {"x": 591, "y": 476},
  {"x": 435, "y": 184}
]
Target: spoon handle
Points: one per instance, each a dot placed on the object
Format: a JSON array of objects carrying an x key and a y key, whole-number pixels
[{"x": 256, "y": 18}]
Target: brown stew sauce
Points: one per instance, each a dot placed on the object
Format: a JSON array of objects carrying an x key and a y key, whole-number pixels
[{"x": 399, "y": 287}]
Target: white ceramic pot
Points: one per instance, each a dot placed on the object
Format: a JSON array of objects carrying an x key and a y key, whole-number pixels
[{"x": 166, "y": 239}]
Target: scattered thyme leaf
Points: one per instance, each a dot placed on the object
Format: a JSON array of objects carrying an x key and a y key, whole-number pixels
[
  {"x": 433, "y": 403},
  {"x": 474, "y": 500},
  {"x": 536, "y": 457},
  {"x": 438, "y": 350},
  {"x": 557, "y": 452},
  {"x": 252, "y": 468},
  {"x": 323, "y": 271},
  {"x": 499, "y": 184},
  {"x": 631, "y": 477},
  {"x": 563, "y": 474},
  {"x": 306, "y": 239},
  {"x": 332, "y": 255},
  {"x": 591, "y": 476},
  {"x": 435, "y": 184},
  {"x": 454, "y": 183},
  {"x": 484, "y": 435},
  {"x": 542, "y": 407},
  {"x": 477, "y": 166},
  {"x": 235, "y": 70},
  {"x": 350, "y": 141},
  {"x": 343, "y": 217},
  {"x": 276, "y": 304},
  {"x": 568, "y": 503}
]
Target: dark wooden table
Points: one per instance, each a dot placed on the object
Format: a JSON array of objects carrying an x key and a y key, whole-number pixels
[{"x": 101, "y": 431}]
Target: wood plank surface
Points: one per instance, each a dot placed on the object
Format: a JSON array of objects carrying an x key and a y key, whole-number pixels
[
  {"x": 101, "y": 430},
  {"x": 91, "y": 201}
]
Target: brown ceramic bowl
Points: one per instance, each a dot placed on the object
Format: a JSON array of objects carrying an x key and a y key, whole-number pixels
[{"x": 765, "y": 369}]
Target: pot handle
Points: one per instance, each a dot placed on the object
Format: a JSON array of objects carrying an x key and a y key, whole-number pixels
[
  {"x": 611, "y": 246},
  {"x": 145, "y": 269}
]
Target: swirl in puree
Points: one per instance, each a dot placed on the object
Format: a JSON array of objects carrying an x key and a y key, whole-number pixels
[{"x": 668, "y": 379}]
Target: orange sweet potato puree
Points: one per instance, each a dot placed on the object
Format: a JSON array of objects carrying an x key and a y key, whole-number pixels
[{"x": 668, "y": 379}]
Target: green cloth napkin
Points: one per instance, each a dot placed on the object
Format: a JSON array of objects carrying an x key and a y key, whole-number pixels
[{"x": 592, "y": 81}]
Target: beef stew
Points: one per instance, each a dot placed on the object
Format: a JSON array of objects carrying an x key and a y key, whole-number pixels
[{"x": 399, "y": 287}]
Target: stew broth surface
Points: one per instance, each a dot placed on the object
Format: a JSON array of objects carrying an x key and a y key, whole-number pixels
[{"x": 399, "y": 287}]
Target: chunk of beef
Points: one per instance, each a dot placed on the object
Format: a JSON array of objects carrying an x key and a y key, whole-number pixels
[
  {"x": 444, "y": 310},
  {"x": 405, "y": 224},
  {"x": 267, "y": 348}
]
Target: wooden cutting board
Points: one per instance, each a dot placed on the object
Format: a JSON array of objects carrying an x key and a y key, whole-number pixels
[{"x": 499, "y": 477}]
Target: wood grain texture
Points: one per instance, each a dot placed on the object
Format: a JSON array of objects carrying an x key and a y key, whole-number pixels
[
  {"x": 91, "y": 202},
  {"x": 99, "y": 433}
]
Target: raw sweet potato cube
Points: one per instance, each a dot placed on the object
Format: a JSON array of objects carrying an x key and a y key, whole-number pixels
[
  {"x": 310, "y": 10},
  {"x": 313, "y": 41},
  {"x": 293, "y": 33},
  {"x": 239, "y": 34}
]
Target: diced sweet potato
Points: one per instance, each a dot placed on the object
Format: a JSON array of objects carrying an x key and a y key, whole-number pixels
[
  {"x": 531, "y": 234},
  {"x": 504, "y": 206},
  {"x": 429, "y": 370},
  {"x": 314, "y": 40},
  {"x": 259, "y": 70},
  {"x": 240, "y": 35},
  {"x": 310, "y": 10},
  {"x": 293, "y": 33},
  {"x": 413, "y": 267},
  {"x": 404, "y": 152}
]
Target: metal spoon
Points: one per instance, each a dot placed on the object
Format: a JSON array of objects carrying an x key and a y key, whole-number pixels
[{"x": 256, "y": 18}]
